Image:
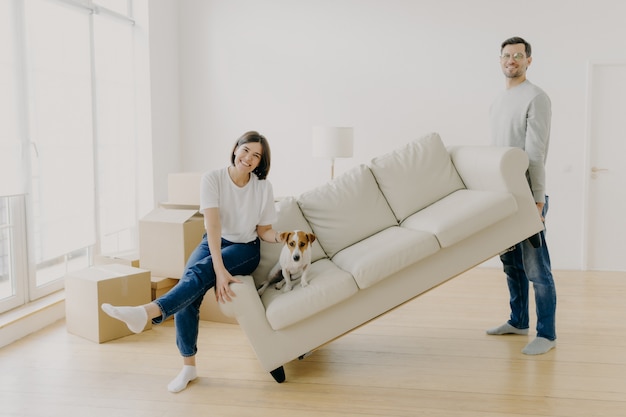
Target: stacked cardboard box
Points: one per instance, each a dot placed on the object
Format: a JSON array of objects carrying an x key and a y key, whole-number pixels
[
  {"x": 161, "y": 286},
  {"x": 87, "y": 289},
  {"x": 183, "y": 190},
  {"x": 166, "y": 239},
  {"x": 130, "y": 258}
]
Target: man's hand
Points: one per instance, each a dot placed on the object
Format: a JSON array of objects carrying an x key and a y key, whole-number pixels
[{"x": 540, "y": 208}]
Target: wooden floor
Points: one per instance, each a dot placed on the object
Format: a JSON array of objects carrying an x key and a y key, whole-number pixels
[{"x": 431, "y": 357}]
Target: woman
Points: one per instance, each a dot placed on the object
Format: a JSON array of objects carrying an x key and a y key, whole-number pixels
[{"x": 238, "y": 209}]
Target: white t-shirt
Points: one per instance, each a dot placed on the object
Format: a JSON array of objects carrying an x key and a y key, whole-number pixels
[{"x": 241, "y": 208}]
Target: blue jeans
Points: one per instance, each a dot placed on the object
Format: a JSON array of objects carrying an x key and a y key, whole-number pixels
[
  {"x": 185, "y": 298},
  {"x": 525, "y": 264}
]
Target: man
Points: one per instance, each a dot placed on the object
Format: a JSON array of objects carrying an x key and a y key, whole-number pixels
[{"x": 520, "y": 116}]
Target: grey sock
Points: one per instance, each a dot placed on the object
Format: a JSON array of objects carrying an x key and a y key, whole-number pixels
[
  {"x": 506, "y": 328},
  {"x": 539, "y": 346}
]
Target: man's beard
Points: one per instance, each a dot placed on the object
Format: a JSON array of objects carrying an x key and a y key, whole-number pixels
[{"x": 516, "y": 74}]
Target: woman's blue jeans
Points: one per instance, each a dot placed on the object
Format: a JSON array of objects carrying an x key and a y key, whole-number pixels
[
  {"x": 525, "y": 264},
  {"x": 185, "y": 298}
]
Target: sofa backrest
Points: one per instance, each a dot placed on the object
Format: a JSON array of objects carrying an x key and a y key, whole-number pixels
[
  {"x": 416, "y": 175},
  {"x": 346, "y": 210}
]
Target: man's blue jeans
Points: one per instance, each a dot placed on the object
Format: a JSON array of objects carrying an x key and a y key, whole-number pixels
[
  {"x": 185, "y": 298},
  {"x": 525, "y": 264}
]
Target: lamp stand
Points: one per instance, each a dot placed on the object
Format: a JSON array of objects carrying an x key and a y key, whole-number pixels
[{"x": 331, "y": 143}]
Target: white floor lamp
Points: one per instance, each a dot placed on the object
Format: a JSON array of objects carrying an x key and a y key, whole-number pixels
[{"x": 331, "y": 143}]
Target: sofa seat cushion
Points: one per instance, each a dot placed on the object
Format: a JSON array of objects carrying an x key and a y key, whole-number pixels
[
  {"x": 328, "y": 285},
  {"x": 346, "y": 210},
  {"x": 480, "y": 209},
  {"x": 385, "y": 253},
  {"x": 416, "y": 175}
]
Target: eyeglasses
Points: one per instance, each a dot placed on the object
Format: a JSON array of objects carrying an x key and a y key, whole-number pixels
[{"x": 518, "y": 56}]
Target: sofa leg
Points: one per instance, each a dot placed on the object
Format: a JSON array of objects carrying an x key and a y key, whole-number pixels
[
  {"x": 306, "y": 355},
  {"x": 279, "y": 374}
]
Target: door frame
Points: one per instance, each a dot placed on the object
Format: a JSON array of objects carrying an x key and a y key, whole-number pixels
[{"x": 591, "y": 65}]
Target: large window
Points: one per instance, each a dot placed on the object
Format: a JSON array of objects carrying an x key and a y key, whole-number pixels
[
  {"x": 68, "y": 140},
  {"x": 12, "y": 291},
  {"x": 61, "y": 130},
  {"x": 117, "y": 150}
]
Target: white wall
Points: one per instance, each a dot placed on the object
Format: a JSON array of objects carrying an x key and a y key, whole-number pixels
[{"x": 393, "y": 69}]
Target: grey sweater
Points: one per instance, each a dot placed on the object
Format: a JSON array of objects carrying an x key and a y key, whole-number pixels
[{"x": 520, "y": 117}]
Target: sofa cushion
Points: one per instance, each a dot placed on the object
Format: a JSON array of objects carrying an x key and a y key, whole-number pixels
[
  {"x": 416, "y": 175},
  {"x": 328, "y": 285},
  {"x": 289, "y": 217},
  {"x": 480, "y": 209},
  {"x": 385, "y": 253},
  {"x": 346, "y": 210}
]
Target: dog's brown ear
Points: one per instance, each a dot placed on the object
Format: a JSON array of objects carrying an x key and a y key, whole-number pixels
[
  {"x": 284, "y": 236},
  {"x": 311, "y": 237}
]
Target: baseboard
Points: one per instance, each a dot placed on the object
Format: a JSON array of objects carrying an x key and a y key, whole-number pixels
[{"x": 32, "y": 317}]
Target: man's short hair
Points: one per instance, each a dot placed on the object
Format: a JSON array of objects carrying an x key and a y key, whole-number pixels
[{"x": 514, "y": 41}]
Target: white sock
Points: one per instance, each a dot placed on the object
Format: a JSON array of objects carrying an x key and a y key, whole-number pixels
[
  {"x": 506, "y": 328},
  {"x": 134, "y": 317},
  {"x": 186, "y": 375},
  {"x": 539, "y": 346}
]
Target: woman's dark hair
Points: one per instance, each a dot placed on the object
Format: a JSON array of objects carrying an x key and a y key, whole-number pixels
[
  {"x": 263, "y": 169},
  {"x": 514, "y": 41}
]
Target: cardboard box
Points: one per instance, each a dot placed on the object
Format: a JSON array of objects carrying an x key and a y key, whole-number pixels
[
  {"x": 167, "y": 237},
  {"x": 161, "y": 286},
  {"x": 130, "y": 258},
  {"x": 87, "y": 289},
  {"x": 183, "y": 189},
  {"x": 210, "y": 310}
]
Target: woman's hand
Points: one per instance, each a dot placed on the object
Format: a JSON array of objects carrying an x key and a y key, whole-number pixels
[
  {"x": 223, "y": 292},
  {"x": 268, "y": 234}
]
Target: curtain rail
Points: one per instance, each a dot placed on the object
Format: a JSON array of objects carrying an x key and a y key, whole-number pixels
[{"x": 95, "y": 9}]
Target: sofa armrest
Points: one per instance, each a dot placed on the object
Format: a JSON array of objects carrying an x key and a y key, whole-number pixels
[
  {"x": 246, "y": 300},
  {"x": 491, "y": 168},
  {"x": 501, "y": 169},
  {"x": 249, "y": 311}
]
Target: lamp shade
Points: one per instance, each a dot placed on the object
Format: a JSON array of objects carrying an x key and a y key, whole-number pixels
[{"x": 332, "y": 142}]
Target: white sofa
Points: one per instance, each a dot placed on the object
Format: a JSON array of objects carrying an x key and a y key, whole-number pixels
[{"x": 386, "y": 232}]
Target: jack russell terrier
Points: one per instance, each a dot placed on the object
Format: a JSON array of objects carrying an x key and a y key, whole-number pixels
[{"x": 295, "y": 258}]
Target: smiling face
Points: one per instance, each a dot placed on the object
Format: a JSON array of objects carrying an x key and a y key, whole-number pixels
[
  {"x": 253, "y": 149},
  {"x": 514, "y": 62},
  {"x": 247, "y": 157}
]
